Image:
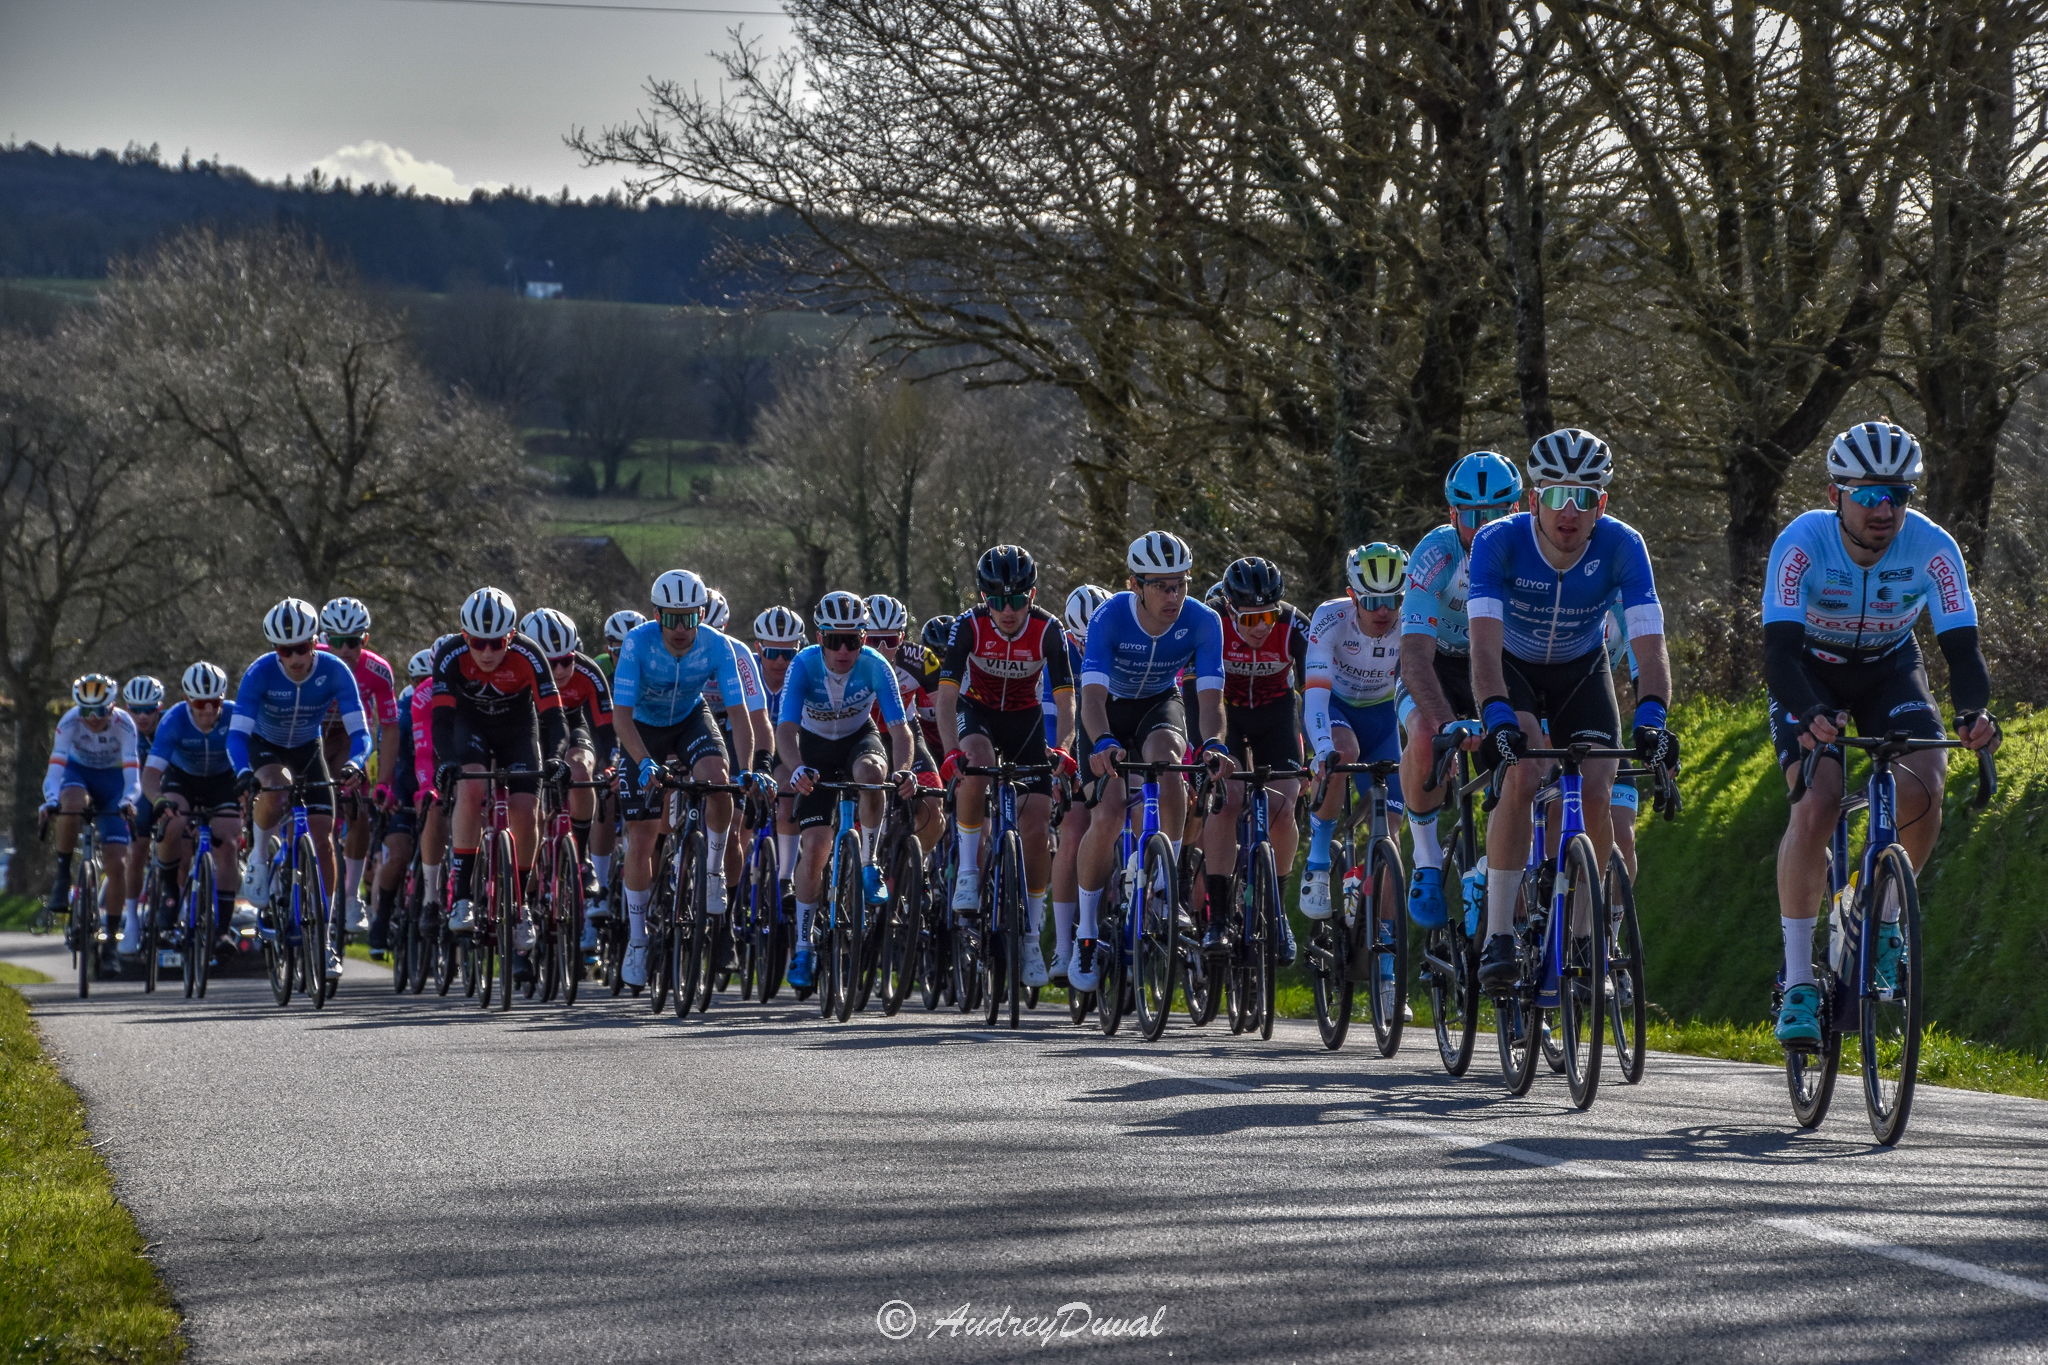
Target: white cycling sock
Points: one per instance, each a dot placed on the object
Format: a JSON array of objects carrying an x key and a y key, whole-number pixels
[
  {"x": 970, "y": 849},
  {"x": 1428, "y": 852},
  {"x": 266, "y": 845},
  {"x": 1174, "y": 844},
  {"x": 1090, "y": 912},
  {"x": 1798, "y": 951},
  {"x": 714, "y": 851},
  {"x": 352, "y": 879},
  {"x": 1503, "y": 884},
  {"x": 1034, "y": 914},
  {"x": 803, "y": 925},
  {"x": 867, "y": 843},
  {"x": 1063, "y": 915},
  {"x": 601, "y": 864},
  {"x": 432, "y": 872},
  {"x": 785, "y": 854},
  {"x": 636, "y": 915}
]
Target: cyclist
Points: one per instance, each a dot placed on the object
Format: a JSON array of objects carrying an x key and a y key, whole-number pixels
[
  {"x": 1843, "y": 590},
  {"x": 780, "y": 633},
  {"x": 1435, "y": 689},
  {"x": 280, "y": 706},
  {"x": 495, "y": 702},
  {"x": 345, "y": 627},
  {"x": 1541, "y": 582},
  {"x": 587, "y": 716},
  {"x": 988, "y": 708},
  {"x": 617, "y": 627},
  {"x": 1265, "y": 649},
  {"x": 92, "y": 759},
  {"x": 143, "y": 699},
  {"x": 923, "y": 660},
  {"x": 751, "y": 750},
  {"x": 433, "y": 821},
  {"x": 826, "y": 723},
  {"x": 658, "y": 712},
  {"x": 1082, "y": 604},
  {"x": 888, "y": 627},
  {"x": 189, "y": 771},
  {"x": 401, "y": 820},
  {"x": 1627, "y": 800},
  {"x": 1138, "y": 644}
]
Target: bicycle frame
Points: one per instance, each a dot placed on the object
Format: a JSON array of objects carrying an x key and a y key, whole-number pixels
[
  {"x": 290, "y": 933},
  {"x": 1004, "y": 779}
]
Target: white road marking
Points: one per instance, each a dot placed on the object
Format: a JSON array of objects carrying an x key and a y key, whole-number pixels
[
  {"x": 1926, "y": 1260},
  {"x": 1214, "y": 1083},
  {"x": 1473, "y": 1142}
]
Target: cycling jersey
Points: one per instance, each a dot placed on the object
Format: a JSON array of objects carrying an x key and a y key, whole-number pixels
[
  {"x": 181, "y": 744},
  {"x": 1359, "y": 670},
  {"x": 375, "y": 683},
  {"x": 1853, "y": 614},
  {"x": 835, "y": 705},
  {"x": 663, "y": 689},
  {"x": 1122, "y": 657},
  {"x": 1553, "y": 615},
  {"x": 1614, "y": 635},
  {"x": 113, "y": 748},
  {"x": 1263, "y": 674},
  {"x": 755, "y": 695},
  {"x": 587, "y": 701},
  {"x": 421, "y": 723},
  {"x": 999, "y": 671},
  {"x": 515, "y": 695},
  {"x": 288, "y": 715},
  {"x": 1439, "y": 581},
  {"x": 917, "y": 702},
  {"x": 406, "y": 772}
]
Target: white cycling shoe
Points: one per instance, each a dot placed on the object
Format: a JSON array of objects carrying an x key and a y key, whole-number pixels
[
  {"x": 461, "y": 919},
  {"x": 358, "y": 918},
  {"x": 714, "y": 894},
  {"x": 1081, "y": 975},
  {"x": 1315, "y": 893},
  {"x": 633, "y": 971},
  {"x": 967, "y": 891},
  {"x": 1033, "y": 967},
  {"x": 333, "y": 963},
  {"x": 523, "y": 936},
  {"x": 1061, "y": 961}
]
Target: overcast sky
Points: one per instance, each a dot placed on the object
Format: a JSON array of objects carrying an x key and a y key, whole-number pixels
[{"x": 447, "y": 96}]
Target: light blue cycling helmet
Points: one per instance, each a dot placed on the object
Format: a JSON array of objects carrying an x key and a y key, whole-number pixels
[{"x": 1482, "y": 479}]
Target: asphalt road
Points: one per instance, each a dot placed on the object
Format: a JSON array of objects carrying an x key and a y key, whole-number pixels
[{"x": 399, "y": 1179}]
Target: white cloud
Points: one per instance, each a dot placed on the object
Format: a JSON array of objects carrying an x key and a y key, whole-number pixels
[{"x": 378, "y": 163}]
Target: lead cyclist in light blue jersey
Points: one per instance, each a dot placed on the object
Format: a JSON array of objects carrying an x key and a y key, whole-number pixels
[
  {"x": 1541, "y": 583},
  {"x": 1436, "y": 667},
  {"x": 1841, "y": 594}
]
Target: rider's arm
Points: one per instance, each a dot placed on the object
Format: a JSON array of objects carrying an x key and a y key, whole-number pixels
[
  {"x": 1418, "y": 673},
  {"x": 1209, "y": 701},
  {"x": 349, "y": 698},
  {"x": 248, "y": 699},
  {"x": 60, "y": 758},
  {"x": 1063, "y": 724},
  {"x": 902, "y": 745},
  {"x": 1489, "y": 679},
  {"x": 152, "y": 780},
  {"x": 742, "y": 722},
  {"x": 1969, "y": 681},
  {"x": 1095, "y": 709},
  {"x": 628, "y": 733},
  {"x": 946, "y": 706},
  {"x": 1653, "y": 676},
  {"x": 786, "y": 744},
  {"x": 1317, "y": 675},
  {"x": 131, "y": 764}
]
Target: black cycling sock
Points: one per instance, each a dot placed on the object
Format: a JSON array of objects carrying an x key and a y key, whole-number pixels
[
  {"x": 223, "y": 911},
  {"x": 1219, "y": 896},
  {"x": 581, "y": 829},
  {"x": 458, "y": 866},
  {"x": 385, "y": 898},
  {"x": 64, "y": 866}
]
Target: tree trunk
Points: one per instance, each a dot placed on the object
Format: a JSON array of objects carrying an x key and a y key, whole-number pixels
[
  {"x": 1753, "y": 482},
  {"x": 1522, "y": 227},
  {"x": 28, "y": 869}
]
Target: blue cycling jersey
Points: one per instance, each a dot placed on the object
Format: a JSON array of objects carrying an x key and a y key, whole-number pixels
[
  {"x": 1131, "y": 663},
  {"x": 289, "y": 714},
  {"x": 181, "y": 744},
  {"x": 1854, "y": 614},
  {"x": 1439, "y": 575},
  {"x": 1554, "y": 615},
  {"x": 835, "y": 705},
  {"x": 662, "y": 689}
]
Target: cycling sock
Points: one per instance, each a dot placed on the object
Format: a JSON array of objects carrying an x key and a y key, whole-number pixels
[
  {"x": 1174, "y": 844},
  {"x": 385, "y": 899},
  {"x": 1219, "y": 894},
  {"x": 1319, "y": 832},
  {"x": 1798, "y": 951},
  {"x": 785, "y": 854},
  {"x": 433, "y": 872},
  {"x": 581, "y": 829},
  {"x": 459, "y": 865},
  {"x": 1422, "y": 827},
  {"x": 601, "y": 864},
  {"x": 636, "y": 915},
  {"x": 1034, "y": 914},
  {"x": 804, "y": 915},
  {"x": 1063, "y": 915},
  {"x": 352, "y": 879},
  {"x": 223, "y": 912},
  {"x": 970, "y": 848},
  {"x": 266, "y": 845},
  {"x": 867, "y": 843},
  {"x": 1088, "y": 924},
  {"x": 131, "y": 919},
  {"x": 1503, "y": 884},
  {"x": 714, "y": 851}
]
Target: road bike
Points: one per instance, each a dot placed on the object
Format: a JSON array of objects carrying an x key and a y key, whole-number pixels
[
  {"x": 555, "y": 889},
  {"x": 1251, "y": 927},
  {"x": 84, "y": 934},
  {"x": 1366, "y": 941},
  {"x": 839, "y": 928},
  {"x": 680, "y": 964},
  {"x": 490, "y": 948},
  {"x": 994, "y": 930},
  {"x": 294, "y": 920},
  {"x": 759, "y": 915},
  {"x": 1138, "y": 943},
  {"x": 1870, "y": 980},
  {"x": 899, "y": 850}
]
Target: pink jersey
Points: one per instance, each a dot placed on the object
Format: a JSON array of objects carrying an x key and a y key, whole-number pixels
[
  {"x": 375, "y": 680},
  {"x": 423, "y": 736}
]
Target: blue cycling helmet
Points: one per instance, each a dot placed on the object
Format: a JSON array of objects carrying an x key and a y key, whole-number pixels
[{"x": 1482, "y": 479}]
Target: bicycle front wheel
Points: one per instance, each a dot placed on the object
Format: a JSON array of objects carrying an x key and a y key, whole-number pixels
[
  {"x": 204, "y": 898},
  {"x": 1112, "y": 979},
  {"x": 1453, "y": 971},
  {"x": 567, "y": 900},
  {"x": 1891, "y": 975},
  {"x": 1386, "y": 918},
  {"x": 906, "y": 916},
  {"x": 848, "y": 925},
  {"x": 1582, "y": 985},
  {"x": 693, "y": 927},
  {"x": 1157, "y": 951},
  {"x": 1627, "y": 1005},
  {"x": 1264, "y": 923},
  {"x": 310, "y": 899},
  {"x": 85, "y": 934},
  {"x": 152, "y": 959},
  {"x": 1012, "y": 864}
]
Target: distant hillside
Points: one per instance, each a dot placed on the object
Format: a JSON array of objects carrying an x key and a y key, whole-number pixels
[{"x": 65, "y": 214}]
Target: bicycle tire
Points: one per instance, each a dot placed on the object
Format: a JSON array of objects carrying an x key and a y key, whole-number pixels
[
  {"x": 1383, "y": 900},
  {"x": 199, "y": 963},
  {"x": 774, "y": 914},
  {"x": 1581, "y": 1000},
  {"x": 152, "y": 889},
  {"x": 707, "y": 935},
  {"x": 688, "y": 948},
  {"x": 1011, "y": 861},
  {"x": 1453, "y": 993},
  {"x": 1891, "y": 1020},
  {"x": 1201, "y": 990},
  {"x": 900, "y": 955},
  {"x": 568, "y": 917},
  {"x": 1264, "y": 924},
  {"x": 748, "y": 937},
  {"x": 1110, "y": 995},
  {"x": 1241, "y": 968},
  {"x": 85, "y": 918},
  {"x": 311, "y": 899},
  {"x": 660, "y": 925},
  {"x": 1329, "y": 953},
  {"x": 1156, "y": 952},
  {"x": 1627, "y": 1004}
]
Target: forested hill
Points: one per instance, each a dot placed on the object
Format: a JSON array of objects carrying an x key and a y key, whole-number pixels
[{"x": 67, "y": 214}]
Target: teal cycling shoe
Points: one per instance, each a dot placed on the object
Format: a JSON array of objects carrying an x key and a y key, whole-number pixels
[{"x": 1799, "y": 1017}]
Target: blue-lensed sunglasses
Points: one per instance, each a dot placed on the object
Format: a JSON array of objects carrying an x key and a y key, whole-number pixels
[
  {"x": 1873, "y": 495},
  {"x": 1472, "y": 518}
]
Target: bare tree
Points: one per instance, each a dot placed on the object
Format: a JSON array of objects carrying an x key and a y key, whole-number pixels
[
  {"x": 492, "y": 342},
  {"x": 615, "y": 383}
]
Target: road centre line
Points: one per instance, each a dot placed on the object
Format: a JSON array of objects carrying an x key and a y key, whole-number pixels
[
  {"x": 1213, "y": 1082},
  {"x": 1926, "y": 1260}
]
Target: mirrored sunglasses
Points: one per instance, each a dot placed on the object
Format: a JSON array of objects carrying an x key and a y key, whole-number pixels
[
  {"x": 1559, "y": 496},
  {"x": 1877, "y": 494},
  {"x": 680, "y": 620}
]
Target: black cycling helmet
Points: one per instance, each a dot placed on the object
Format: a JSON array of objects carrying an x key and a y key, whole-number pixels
[
  {"x": 1252, "y": 583},
  {"x": 937, "y": 632},
  {"x": 1006, "y": 568}
]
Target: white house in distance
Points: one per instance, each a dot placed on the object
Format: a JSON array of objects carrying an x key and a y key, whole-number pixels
[
  {"x": 534, "y": 284},
  {"x": 543, "y": 289}
]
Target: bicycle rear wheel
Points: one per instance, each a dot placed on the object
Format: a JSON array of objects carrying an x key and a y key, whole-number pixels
[
  {"x": 1581, "y": 990},
  {"x": 1627, "y": 1005},
  {"x": 1200, "y": 979},
  {"x": 1112, "y": 980},
  {"x": 1157, "y": 951},
  {"x": 1383, "y": 906},
  {"x": 661, "y": 912},
  {"x": 1329, "y": 957},
  {"x": 905, "y": 920},
  {"x": 1891, "y": 1013},
  {"x": 1453, "y": 971},
  {"x": 203, "y": 898},
  {"x": 567, "y": 901},
  {"x": 848, "y": 924},
  {"x": 152, "y": 891}
]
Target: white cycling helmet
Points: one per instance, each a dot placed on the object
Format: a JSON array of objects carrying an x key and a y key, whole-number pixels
[
  {"x": 619, "y": 625},
  {"x": 778, "y": 626},
  {"x": 1082, "y": 604},
  {"x": 719, "y": 612},
  {"x": 886, "y": 615},
  {"x": 1160, "y": 553},
  {"x": 204, "y": 682},
  {"x": 489, "y": 613},
  {"x": 94, "y": 692},
  {"x": 421, "y": 665},
  {"x": 144, "y": 693},
  {"x": 680, "y": 590},
  {"x": 1875, "y": 450},
  {"x": 291, "y": 622},
  {"x": 840, "y": 611},
  {"x": 1569, "y": 455},
  {"x": 1376, "y": 570},
  {"x": 345, "y": 616},
  {"x": 552, "y": 630}
]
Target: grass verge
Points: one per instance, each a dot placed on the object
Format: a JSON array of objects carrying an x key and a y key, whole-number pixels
[
  {"x": 1945, "y": 1059},
  {"x": 74, "y": 1283},
  {"x": 13, "y": 975}
]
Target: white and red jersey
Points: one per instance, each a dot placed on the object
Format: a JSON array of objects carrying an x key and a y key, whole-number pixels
[
  {"x": 375, "y": 682},
  {"x": 1261, "y": 675},
  {"x": 1001, "y": 672}
]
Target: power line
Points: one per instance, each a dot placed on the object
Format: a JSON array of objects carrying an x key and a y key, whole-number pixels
[{"x": 628, "y": 9}]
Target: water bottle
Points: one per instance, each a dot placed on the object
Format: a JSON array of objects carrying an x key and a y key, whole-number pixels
[
  {"x": 1838, "y": 924},
  {"x": 1475, "y": 900}
]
